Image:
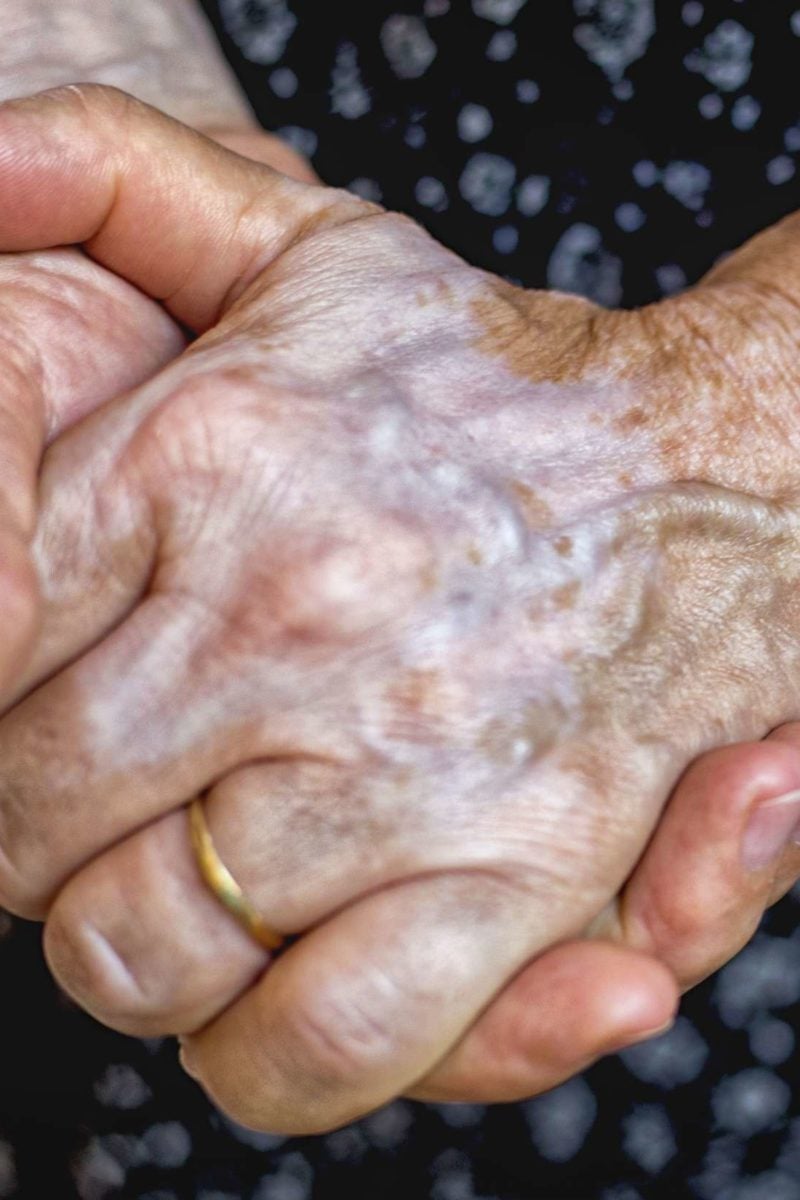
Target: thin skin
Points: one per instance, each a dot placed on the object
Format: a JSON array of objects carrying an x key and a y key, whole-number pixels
[
  {"x": 74, "y": 336},
  {"x": 342, "y": 578}
]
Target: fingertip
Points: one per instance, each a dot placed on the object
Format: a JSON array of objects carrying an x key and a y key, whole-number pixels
[
  {"x": 604, "y": 996},
  {"x": 573, "y": 1004},
  {"x": 645, "y": 1005}
]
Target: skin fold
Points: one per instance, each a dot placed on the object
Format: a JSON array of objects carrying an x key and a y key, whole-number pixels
[{"x": 419, "y": 576}]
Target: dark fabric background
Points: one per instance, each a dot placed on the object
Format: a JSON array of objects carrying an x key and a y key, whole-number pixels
[{"x": 613, "y": 147}]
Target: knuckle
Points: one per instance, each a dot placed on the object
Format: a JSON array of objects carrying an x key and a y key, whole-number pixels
[
  {"x": 339, "y": 1040},
  {"x": 674, "y": 920},
  {"x": 330, "y": 1050},
  {"x": 344, "y": 586},
  {"x": 207, "y": 428},
  {"x": 675, "y": 928}
]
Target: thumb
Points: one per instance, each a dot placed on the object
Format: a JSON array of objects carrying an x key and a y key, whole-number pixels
[{"x": 184, "y": 219}]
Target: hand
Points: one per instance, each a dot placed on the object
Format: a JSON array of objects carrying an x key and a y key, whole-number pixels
[
  {"x": 75, "y": 336},
  {"x": 690, "y": 905},
  {"x": 88, "y": 335},
  {"x": 481, "y": 771}
]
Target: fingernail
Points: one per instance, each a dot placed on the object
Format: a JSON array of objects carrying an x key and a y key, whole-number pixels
[{"x": 772, "y": 827}]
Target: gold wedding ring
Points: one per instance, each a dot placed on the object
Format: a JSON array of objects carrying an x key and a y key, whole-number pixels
[{"x": 223, "y": 885}]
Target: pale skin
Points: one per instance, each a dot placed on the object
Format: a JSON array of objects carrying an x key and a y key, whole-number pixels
[
  {"x": 438, "y": 825},
  {"x": 87, "y": 335}
]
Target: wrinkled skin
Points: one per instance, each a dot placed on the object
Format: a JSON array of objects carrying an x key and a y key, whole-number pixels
[
  {"x": 422, "y": 578},
  {"x": 74, "y": 336}
]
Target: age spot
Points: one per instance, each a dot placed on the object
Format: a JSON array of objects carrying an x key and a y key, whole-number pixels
[
  {"x": 536, "y": 511},
  {"x": 565, "y": 597},
  {"x": 634, "y": 418}
]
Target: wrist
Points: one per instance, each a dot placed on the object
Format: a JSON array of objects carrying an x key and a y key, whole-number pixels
[{"x": 161, "y": 51}]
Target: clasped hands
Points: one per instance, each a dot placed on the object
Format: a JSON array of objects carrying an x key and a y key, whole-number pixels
[{"x": 441, "y": 592}]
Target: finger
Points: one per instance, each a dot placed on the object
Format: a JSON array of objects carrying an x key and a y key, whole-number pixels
[
  {"x": 101, "y": 749},
  {"x": 72, "y": 337},
  {"x": 19, "y": 600},
  {"x": 139, "y": 942},
  {"x": 361, "y": 1007},
  {"x": 690, "y": 904},
  {"x": 573, "y": 1004},
  {"x": 143, "y": 903},
  {"x": 696, "y": 898},
  {"x": 89, "y": 164}
]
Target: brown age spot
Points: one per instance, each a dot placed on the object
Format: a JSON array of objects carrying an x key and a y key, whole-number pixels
[
  {"x": 444, "y": 291},
  {"x": 496, "y": 740},
  {"x": 705, "y": 367},
  {"x": 416, "y": 698},
  {"x": 625, "y": 479},
  {"x": 634, "y": 418},
  {"x": 711, "y": 367},
  {"x": 536, "y": 511},
  {"x": 564, "y": 597},
  {"x": 434, "y": 290},
  {"x": 474, "y": 555},
  {"x": 563, "y": 545},
  {"x": 429, "y": 577},
  {"x": 670, "y": 448}
]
